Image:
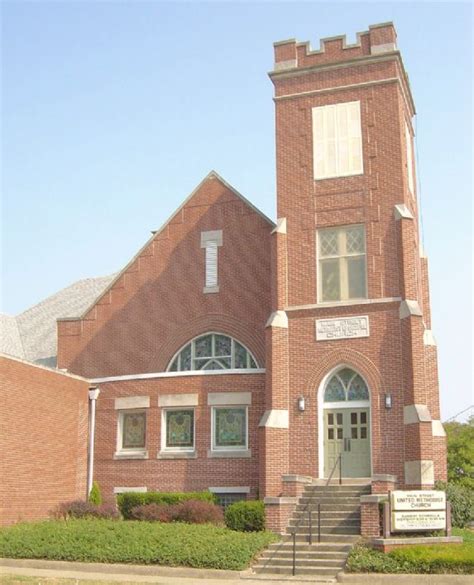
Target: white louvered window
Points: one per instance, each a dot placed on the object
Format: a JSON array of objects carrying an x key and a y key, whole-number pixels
[
  {"x": 342, "y": 264},
  {"x": 337, "y": 140},
  {"x": 409, "y": 146},
  {"x": 211, "y": 264}
]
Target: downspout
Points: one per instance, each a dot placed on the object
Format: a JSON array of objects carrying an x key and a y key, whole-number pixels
[{"x": 93, "y": 395}]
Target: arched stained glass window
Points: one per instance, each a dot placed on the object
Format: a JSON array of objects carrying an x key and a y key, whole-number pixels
[
  {"x": 213, "y": 351},
  {"x": 344, "y": 385}
]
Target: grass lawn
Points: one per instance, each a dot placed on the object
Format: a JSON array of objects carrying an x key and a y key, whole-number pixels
[
  {"x": 147, "y": 543},
  {"x": 435, "y": 558}
]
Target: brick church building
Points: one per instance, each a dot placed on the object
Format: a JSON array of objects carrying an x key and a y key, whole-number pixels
[{"x": 250, "y": 357}]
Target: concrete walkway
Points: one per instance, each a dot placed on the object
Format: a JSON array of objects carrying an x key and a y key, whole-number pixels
[{"x": 135, "y": 574}]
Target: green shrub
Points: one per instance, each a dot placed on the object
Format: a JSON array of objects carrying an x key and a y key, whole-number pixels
[
  {"x": 461, "y": 498},
  {"x": 145, "y": 543},
  {"x": 190, "y": 511},
  {"x": 246, "y": 516},
  {"x": 95, "y": 497},
  {"x": 129, "y": 500}
]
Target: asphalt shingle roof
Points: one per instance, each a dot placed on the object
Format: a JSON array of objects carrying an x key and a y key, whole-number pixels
[{"x": 31, "y": 335}]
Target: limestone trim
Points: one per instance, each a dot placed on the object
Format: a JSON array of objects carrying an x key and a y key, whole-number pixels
[
  {"x": 230, "y": 490},
  {"x": 419, "y": 472},
  {"x": 386, "y": 477},
  {"x": 210, "y": 289},
  {"x": 409, "y": 308},
  {"x": 169, "y": 454},
  {"x": 211, "y": 236},
  {"x": 373, "y": 498},
  {"x": 416, "y": 413},
  {"x": 131, "y": 455},
  {"x": 229, "y": 398},
  {"x": 275, "y": 419},
  {"x": 172, "y": 400},
  {"x": 130, "y": 402},
  {"x": 177, "y": 374},
  {"x": 279, "y": 500},
  {"x": 280, "y": 226},
  {"x": 335, "y": 88},
  {"x": 278, "y": 319},
  {"x": 437, "y": 428},
  {"x": 135, "y": 490},
  {"x": 342, "y": 304},
  {"x": 401, "y": 211},
  {"x": 290, "y": 64},
  {"x": 296, "y": 479},
  {"x": 237, "y": 454},
  {"x": 429, "y": 338},
  {"x": 384, "y": 48}
]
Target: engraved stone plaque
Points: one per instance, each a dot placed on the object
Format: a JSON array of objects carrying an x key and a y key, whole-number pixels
[{"x": 343, "y": 328}]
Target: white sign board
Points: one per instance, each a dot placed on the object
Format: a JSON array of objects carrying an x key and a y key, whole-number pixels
[
  {"x": 346, "y": 328},
  {"x": 418, "y": 500},
  {"x": 405, "y": 521}
]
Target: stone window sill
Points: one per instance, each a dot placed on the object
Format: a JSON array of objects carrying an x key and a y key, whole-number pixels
[
  {"x": 230, "y": 454},
  {"x": 177, "y": 455},
  {"x": 131, "y": 455}
]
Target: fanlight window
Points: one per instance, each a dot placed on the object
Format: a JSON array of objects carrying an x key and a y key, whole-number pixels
[
  {"x": 213, "y": 351},
  {"x": 346, "y": 385}
]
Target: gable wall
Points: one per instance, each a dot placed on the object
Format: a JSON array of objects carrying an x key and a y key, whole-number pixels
[{"x": 158, "y": 304}]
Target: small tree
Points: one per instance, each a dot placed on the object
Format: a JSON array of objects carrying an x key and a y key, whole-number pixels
[
  {"x": 460, "y": 442},
  {"x": 95, "y": 497}
]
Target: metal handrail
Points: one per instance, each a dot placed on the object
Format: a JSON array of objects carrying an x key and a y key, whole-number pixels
[{"x": 338, "y": 461}]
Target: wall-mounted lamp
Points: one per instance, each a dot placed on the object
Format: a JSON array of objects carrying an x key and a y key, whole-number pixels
[
  {"x": 388, "y": 401},
  {"x": 301, "y": 403}
]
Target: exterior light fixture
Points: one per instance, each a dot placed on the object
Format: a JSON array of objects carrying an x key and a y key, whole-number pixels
[
  {"x": 388, "y": 401},
  {"x": 301, "y": 403}
]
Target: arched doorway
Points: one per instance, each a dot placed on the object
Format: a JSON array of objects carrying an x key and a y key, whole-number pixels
[{"x": 345, "y": 424}]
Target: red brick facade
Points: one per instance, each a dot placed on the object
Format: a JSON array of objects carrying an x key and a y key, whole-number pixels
[
  {"x": 268, "y": 300},
  {"x": 43, "y": 440}
]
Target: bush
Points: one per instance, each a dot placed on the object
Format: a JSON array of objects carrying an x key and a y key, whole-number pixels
[
  {"x": 154, "y": 512},
  {"x": 144, "y": 543},
  {"x": 246, "y": 516},
  {"x": 190, "y": 511},
  {"x": 199, "y": 512},
  {"x": 129, "y": 500},
  {"x": 95, "y": 497},
  {"x": 81, "y": 509},
  {"x": 461, "y": 498}
]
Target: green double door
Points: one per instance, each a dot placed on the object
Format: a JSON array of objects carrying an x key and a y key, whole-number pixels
[{"x": 347, "y": 432}]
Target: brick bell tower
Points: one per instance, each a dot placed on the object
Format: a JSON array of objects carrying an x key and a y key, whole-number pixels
[{"x": 351, "y": 358}]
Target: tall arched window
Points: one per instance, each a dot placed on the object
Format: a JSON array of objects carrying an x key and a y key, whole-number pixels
[
  {"x": 346, "y": 385},
  {"x": 212, "y": 351}
]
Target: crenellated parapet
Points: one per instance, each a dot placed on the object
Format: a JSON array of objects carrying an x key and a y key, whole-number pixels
[{"x": 291, "y": 54}]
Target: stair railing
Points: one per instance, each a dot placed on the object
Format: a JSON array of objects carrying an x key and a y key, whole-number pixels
[{"x": 338, "y": 462}]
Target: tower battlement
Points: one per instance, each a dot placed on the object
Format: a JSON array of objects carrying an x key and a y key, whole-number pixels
[{"x": 291, "y": 54}]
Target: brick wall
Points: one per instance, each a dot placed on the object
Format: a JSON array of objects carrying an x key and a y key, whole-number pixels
[{"x": 43, "y": 440}]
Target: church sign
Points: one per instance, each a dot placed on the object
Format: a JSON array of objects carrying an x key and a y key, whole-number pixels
[
  {"x": 417, "y": 510},
  {"x": 345, "y": 328}
]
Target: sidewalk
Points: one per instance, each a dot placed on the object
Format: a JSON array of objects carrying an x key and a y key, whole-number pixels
[{"x": 135, "y": 574}]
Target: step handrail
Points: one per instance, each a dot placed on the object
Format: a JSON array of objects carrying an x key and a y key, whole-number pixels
[{"x": 338, "y": 461}]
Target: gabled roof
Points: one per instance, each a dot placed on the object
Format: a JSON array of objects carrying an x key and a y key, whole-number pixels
[
  {"x": 31, "y": 335},
  {"x": 211, "y": 175}
]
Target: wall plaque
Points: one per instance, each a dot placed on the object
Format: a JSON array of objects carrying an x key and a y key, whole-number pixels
[
  {"x": 418, "y": 500},
  {"x": 418, "y": 521},
  {"x": 344, "y": 328}
]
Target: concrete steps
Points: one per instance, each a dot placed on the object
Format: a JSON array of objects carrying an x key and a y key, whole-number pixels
[{"x": 340, "y": 529}]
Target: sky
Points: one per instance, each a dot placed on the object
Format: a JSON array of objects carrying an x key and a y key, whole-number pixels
[{"x": 112, "y": 112}]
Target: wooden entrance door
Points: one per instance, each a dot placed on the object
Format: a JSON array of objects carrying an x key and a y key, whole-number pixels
[{"x": 347, "y": 432}]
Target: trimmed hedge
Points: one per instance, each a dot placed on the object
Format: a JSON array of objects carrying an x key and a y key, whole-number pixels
[
  {"x": 434, "y": 558},
  {"x": 144, "y": 543},
  {"x": 246, "y": 516},
  {"x": 129, "y": 500}
]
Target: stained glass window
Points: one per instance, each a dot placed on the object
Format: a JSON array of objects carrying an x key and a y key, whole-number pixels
[
  {"x": 344, "y": 385},
  {"x": 230, "y": 427},
  {"x": 133, "y": 430},
  {"x": 213, "y": 351},
  {"x": 179, "y": 429}
]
